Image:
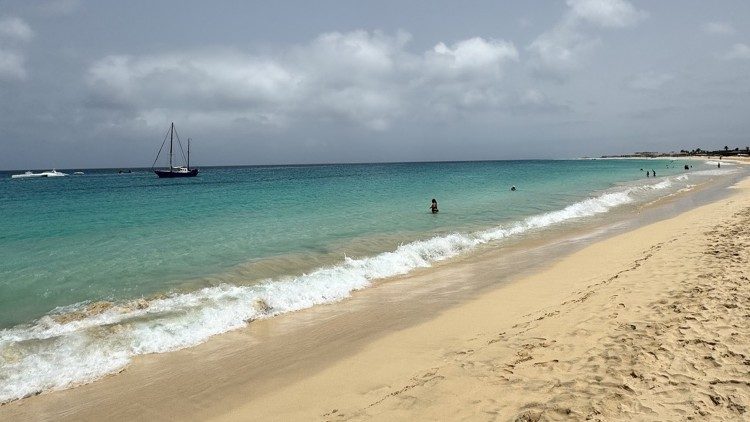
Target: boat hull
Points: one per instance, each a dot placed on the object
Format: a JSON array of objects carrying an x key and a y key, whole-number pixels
[
  {"x": 28, "y": 175},
  {"x": 171, "y": 174}
]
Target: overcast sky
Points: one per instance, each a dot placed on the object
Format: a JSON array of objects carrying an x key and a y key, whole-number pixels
[{"x": 96, "y": 83}]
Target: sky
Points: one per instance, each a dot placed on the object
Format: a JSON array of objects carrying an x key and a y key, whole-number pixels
[{"x": 97, "y": 83}]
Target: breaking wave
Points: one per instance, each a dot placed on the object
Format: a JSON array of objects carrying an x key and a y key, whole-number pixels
[{"x": 83, "y": 342}]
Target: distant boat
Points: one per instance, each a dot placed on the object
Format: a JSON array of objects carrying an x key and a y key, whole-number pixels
[
  {"x": 124, "y": 171},
  {"x": 175, "y": 171},
  {"x": 28, "y": 174},
  {"x": 78, "y": 173}
]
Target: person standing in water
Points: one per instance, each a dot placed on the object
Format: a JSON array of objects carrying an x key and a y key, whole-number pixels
[
  {"x": 653, "y": 172},
  {"x": 433, "y": 206},
  {"x": 648, "y": 173}
]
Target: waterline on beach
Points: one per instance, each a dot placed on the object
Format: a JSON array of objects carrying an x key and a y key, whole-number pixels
[{"x": 79, "y": 343}]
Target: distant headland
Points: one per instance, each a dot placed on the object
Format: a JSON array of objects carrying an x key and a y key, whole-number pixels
[{"x": 726, "y": 151}]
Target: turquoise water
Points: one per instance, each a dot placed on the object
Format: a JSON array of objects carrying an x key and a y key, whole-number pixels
[
  {"x": 204, "y": 251},
  {"x": 116, "y": 236}
]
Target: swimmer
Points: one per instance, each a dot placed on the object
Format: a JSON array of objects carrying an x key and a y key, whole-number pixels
[{"x": 433, "y": 206}]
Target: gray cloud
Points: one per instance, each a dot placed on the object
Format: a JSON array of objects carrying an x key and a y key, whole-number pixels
[
  {"x": 718, "y": 28},
  {"x": 12, "y": 65},
  {"x": 91, "y": 83},
  {"x": 15, "y": 28},
  {"x": 58, "y": 7},
  {"x": 14, "y": 32},
  {"x": 563, "y": 48},
  {"x": 649, "y": 81},
  {"x": 738, "y": 51},
  {"x": 364, "y": 77}
]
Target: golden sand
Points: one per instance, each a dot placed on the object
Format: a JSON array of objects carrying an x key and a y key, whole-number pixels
[{"x": 650, "y": 325}]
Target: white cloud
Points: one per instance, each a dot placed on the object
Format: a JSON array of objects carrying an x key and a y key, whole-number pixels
[
  {"x": 718, "y": 28},
  {"x": 168, "y": 80},
  {"x": 475, "y": 54},
  {"x": 649, "y": 81},
  {"x": 11, "y": 65},
  {"x": 563, "y": 48},
  {"x": 464, "y": 75},
  {"x": 367, "y": 78},
  {"x": 560, "y": 50},
  {"x": 606, "y": 13},
  {"x": 738, "y": 51},
  {"x": 359, "y": 51},
  {"x": 14, "y": 28}
]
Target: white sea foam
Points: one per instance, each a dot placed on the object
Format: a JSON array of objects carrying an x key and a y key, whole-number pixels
[
  {"x": 716, "y": 163},
  {"x": 715, "y": 172},
  {"x": 661, "y": 185},
  {"x": 49, "y": 354}
]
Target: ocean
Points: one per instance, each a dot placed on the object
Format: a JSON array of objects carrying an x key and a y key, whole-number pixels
[{"x": 99, "y": 268}]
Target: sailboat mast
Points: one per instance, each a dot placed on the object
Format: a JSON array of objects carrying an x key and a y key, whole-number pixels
[
  {"x": 188, "y": 159},
  {"x": 171, "y": 136}
]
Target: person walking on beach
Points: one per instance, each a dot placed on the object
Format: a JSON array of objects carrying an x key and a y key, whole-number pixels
[{"x": 433, "y": 206}]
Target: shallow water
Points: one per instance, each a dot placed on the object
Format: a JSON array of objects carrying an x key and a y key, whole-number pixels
[{"x": 235, "y": 244}]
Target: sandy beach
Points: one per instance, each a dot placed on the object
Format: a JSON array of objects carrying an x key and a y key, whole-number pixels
[
  {"x": 374, "y": 211},
  {"x": 651, "y": 324}
]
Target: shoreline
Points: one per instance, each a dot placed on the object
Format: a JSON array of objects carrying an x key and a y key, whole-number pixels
[
  {"x": 644, "y": 337},
  {"x": 741, "y": 159},
  {"x": 343, "y": 345}
]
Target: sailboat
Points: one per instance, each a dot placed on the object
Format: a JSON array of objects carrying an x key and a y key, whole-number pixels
[{"x": 175, "y": 171}]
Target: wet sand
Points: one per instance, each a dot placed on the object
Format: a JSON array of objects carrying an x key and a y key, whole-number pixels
[{"x": 649, "y": 324}]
